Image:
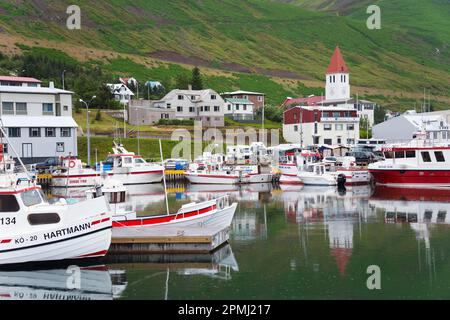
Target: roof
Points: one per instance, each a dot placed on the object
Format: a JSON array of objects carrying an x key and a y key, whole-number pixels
[
  {"x": 238, "y": 101},
  {"x": 36, "y": 90},
  {"x": 309, "y": 101},
  {"x": 320, "y": 108},
  {"x": 117, "y": 86},
  {"x": 19, "y": 79},
  {"x": 38, "y": 121},
  {"x": 244, "y": 92},
  {"x": 337, "y": 64}
]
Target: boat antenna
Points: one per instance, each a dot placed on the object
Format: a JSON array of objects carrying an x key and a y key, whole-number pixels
[
  {"x": 14, "y": 150},
  {"x": 164, "y": 177}
]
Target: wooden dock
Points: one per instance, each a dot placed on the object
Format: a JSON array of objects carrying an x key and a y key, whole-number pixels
[{"x": 168, "y": 240}]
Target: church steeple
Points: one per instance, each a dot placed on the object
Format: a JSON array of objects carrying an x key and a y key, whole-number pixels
[{"x": 337, "y": 78}]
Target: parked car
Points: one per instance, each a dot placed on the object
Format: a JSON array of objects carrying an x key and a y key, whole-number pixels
[
  {"x": 362, "y": 157},
  {"x": 47, "y": 164}
]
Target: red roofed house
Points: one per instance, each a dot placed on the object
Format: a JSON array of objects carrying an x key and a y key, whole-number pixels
[
  {"x": 309, "y": 101},
  {"x": 12, "y": 81}
]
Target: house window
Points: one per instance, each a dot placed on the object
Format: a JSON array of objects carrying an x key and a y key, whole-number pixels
[
  {"x": 327, "y": 141},
  {"x": 410, "y": 154},
  {"x": 191, "y": 109},
  {"x": 327, "y": 127},
  {"x": 426, "y": 156},
  {"x": 47, "y": 109},
  {"x": 66, "y": 108},
  {"x": 7, "y": 108},
  {"x": 245, "y": 97},
  {"x": 336, "y": 114},
  {"x": 65, "y": 132},
  {"x": 5, "y": 148},
  {"x": 207, "y": 108},
  {"x": 60, "y": 147},
  {"x": 339, "y": 127},
  {"x": 295, "y": 128},
  {"x": 21, "y": 108},
  {"x": 213, "y": 97},
  {"x": 229, "y": 108},
  {"x": 295, "y": 116},
  {"x": 14, "y": 132},
  {"x": 193, "y": 98},
  {"x": 439, "y": 156},
  {"x": 201, "y": 109},
  {"x": 339, "y": 140},
  {"x": 180, "y": 109},
  {"x": 169, "y": 106},
  {"x": 237, "y": 107},
  {"x": 350, "y": 141},
  {"x": 260, "y": 98},
  {"x": 35, "y": 132},
  {"x": 350, "y": 127},
  {"x": 50, "y": 132},
  {"x": 180, "y": 97},
  {"x": 216, "y": 108},
  {"x": 245, "y": 107}
]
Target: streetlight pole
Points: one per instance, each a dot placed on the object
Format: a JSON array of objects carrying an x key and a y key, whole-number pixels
[
  {"x": 63, "y": 82},
  {"x": 88, "y": 132}
]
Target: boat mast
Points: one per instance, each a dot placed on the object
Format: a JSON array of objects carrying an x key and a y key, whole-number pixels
[
  {"x": 13, "y": 149},
  {"x": 164, "y": 177}
]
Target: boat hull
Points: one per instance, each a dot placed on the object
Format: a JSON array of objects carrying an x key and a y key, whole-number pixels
[
  {"x": 411, "y": 177},
  {"x": 290, "y": 180},
  {"x": 317, "y": 180},
  {"x": 260, "y": 178},
  {"x": 214, "y": 179},
  {"x": 90, "y": 180}
]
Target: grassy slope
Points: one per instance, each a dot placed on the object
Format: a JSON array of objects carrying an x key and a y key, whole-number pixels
[{"x": 252, "y": 33}]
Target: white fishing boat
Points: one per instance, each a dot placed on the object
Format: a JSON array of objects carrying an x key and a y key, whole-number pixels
[
  {"x": 32, "y": 229},
  {"x": 204, "y": 174},
  {"x": 318, "y": 176},
  {"x": 216, "y": 213},
  {"x": 122, "y": 165}
]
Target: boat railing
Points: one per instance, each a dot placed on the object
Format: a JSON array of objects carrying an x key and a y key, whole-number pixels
[{"x": 220, "y": 204}]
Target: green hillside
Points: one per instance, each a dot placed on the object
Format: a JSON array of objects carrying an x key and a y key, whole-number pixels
[{"x": 248, "y": 42}]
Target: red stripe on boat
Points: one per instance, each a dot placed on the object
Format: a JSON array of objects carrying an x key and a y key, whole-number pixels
[
  {"x": 6, "y": 241},
  {"x": 94, "y": 254},
  {"x": 163, "y": 219},
  {"x": 19, "y": 191}
]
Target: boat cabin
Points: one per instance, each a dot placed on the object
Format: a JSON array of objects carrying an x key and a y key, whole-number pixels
[{"x": 420, "y": 157}]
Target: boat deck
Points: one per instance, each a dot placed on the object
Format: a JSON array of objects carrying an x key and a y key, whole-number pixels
[{"x": 168, "y": 240}]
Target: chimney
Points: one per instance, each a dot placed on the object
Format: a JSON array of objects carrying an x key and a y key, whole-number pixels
[
  {"x": 190, "y": 87},
  {"x": 51, "y": 85}
]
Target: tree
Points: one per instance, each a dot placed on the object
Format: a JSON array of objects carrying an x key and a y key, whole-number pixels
[
  {"x": 182, "y": 81},
  {"x": 379, "y": 114},
  {"x": 273, "y": 113},
  {"x": 98, "y": 115},
  {"x": 197, "y": 82}
]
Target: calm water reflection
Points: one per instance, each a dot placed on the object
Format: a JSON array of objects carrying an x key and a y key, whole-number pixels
[{"x": 289, "y": 243}]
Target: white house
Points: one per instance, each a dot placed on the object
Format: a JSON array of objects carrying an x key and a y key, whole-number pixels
[
  {"x": 121, "y": 92},
  {"x": 405, "y": 127},
  {"x": 239, "y": 109},
  {"x": 203, "y": 105},
  {"x": 321, "y": 125},
  {"x": 37, "y": 120}
]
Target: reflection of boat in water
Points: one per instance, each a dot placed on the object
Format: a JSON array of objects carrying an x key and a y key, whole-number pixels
[
  {"x": 71, "y": 283},
  {"x": 412, "y": 194},
  {"x": 249, "y": 192},
  {"x": 218, "y": 264}
]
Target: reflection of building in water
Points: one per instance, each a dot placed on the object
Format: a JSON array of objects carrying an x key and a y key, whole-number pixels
[
  {"x": 249, "y": 223},
  {"x": 249, "y": 192},
  {"x": 330, "y": 210}
]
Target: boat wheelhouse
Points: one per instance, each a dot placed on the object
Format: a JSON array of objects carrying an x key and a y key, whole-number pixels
[{"x": 410, "y": 166}]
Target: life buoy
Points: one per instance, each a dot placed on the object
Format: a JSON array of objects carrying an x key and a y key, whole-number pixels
[{"x": 72, "y": 164}]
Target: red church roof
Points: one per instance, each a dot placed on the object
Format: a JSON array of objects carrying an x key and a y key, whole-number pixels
[
  {"x": 342, "y": 256},
  {"x": 337, "y": 64}
]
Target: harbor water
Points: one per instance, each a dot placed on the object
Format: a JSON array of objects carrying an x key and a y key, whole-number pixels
[{"x": 286, "y": 243}]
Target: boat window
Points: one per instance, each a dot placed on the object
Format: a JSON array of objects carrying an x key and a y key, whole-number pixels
[
  {"x": 138, "y": 160},
  {"x": 399, "y": 154},
  {"x": 43, "y": 218},
  {"x": 439, "y": 156},
  {"x": 426, "y": 156},
  {"x": 441, "y": 216},
  {"x": 427, "y": 216},
  {"x": 412, "y": 217},
  {"x": 389, "y": 155},
  {"x": 31, "y": 198},
  {"x": 411, "y": 154},
  {"x": 8, "y": 203},
  {"x": 128, "y": 160},
  {"x": 117, "y": 197}
]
